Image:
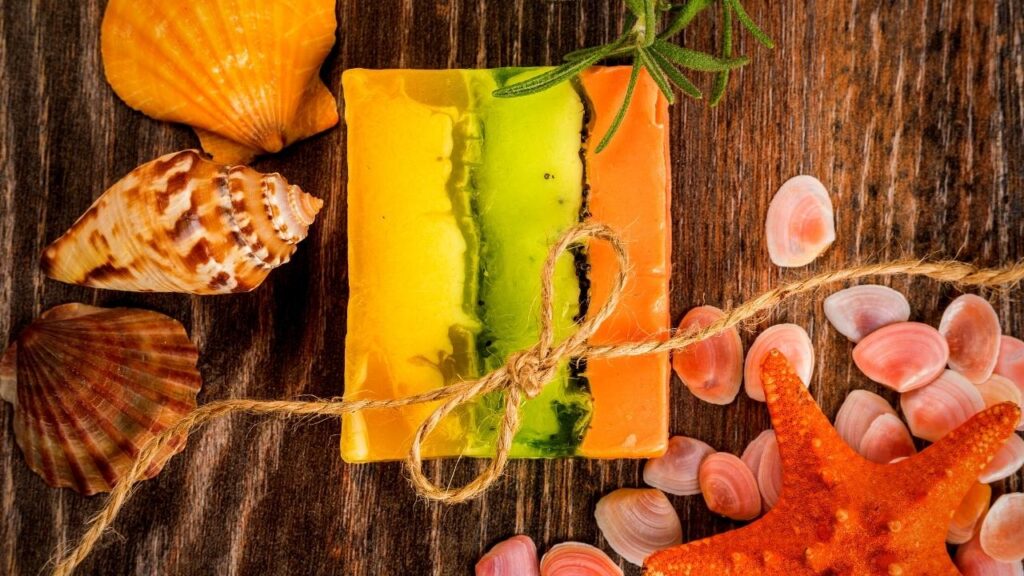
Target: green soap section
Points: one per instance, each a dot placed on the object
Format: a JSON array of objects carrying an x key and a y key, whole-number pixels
[{"x": 528, "y": 192}]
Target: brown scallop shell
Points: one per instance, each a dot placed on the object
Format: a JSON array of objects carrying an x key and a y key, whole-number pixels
[
  {"x": 90, "y": 386},
  {"x": 182, "y": 223}
]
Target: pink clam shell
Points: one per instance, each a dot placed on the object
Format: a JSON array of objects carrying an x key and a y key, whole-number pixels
[
  {"x": 938, "y": 408},
  {"x": 1002, "y": 530},
  {"x": 729, "y": 487},
  {"x": 1006, "y": 462},
  {"x": 676, "y": 472},
  {"x": 859, "y": 410},
  {"x": 789, "y": 339},
  {"x": 711, "y": 369},
  {"x": 902, "y": 356},
  {"x": 886, "y": 439},
  {"x": 998, "y": 389},
  {"x": 754, "y": 451},
  {"x": 516, "y": 556},
  {"x": 1010, "y": 362},
  {"x": 637, "y": 522},
  {"x": 800, "y": 224},
  {"x": 577, "y": 559},
  {"x": 971, "y": 560},
  {"x": 971, "y": 328},
  {"x": 860, "y": 310},
  {"x": 769, "y": 474},
  {"x": 965, "y": 519}
]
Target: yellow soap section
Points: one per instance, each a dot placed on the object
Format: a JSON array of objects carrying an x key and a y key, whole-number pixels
[{"x": 407, "y": 261}]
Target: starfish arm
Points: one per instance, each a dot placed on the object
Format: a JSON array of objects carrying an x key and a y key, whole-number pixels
[
  {"x": 954, "y": 463},
  {"x": 807, "y": 440},
  {"x": 748, "y": 550}
]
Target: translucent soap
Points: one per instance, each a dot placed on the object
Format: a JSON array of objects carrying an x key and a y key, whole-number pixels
[{"x": 454, "y": 200}]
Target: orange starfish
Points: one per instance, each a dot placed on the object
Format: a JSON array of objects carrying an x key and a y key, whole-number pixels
[{"x": 839, "y": 513}]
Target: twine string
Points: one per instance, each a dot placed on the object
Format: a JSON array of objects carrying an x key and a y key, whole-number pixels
[{"x": 523, "y": 376}]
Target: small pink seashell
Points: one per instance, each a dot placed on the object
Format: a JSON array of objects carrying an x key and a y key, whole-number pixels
[
  {"x": 800, "y": 224},
  {"x": 516, "y": 556},
  {"x": 1006, "y": 462},
  {"x": 973, "y": 561},
  {"x": 998, "y": 389},
  {"x": 971, "y": 327},
  {"x": 858, "y": 411},
  {"x": 729, "y": 487},
  {"x": 637, "y": 522},
  {"x": 676, "y": 472},
  {"x": 902, "y": 356},
  {"x": 577, "y": 559},
  {"x": 886, "y": 439},
  {"x": 789, "y": 339},
  {"x": 1002, "y": 530},
  {"x": 971, "y": 510},
  {"x": 711, "y": 369},
  {"x": 938, "y": 408},
  {"x": 860, "y": 310},
  {"x": 1011, "y": 360},
  {"x": 769, "y": 474},
  {"x": 754, "y": 451}
]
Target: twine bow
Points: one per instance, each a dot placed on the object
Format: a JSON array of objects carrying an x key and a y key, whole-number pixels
[{"x": 524, "y": 374}]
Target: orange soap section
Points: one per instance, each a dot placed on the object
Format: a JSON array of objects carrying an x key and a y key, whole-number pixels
[{"x": 630, "y": 191}]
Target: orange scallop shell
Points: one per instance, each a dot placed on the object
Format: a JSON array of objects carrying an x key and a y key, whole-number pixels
[
  {"x": 91, "y": 386},
  {"x": 243, "y": 73}
]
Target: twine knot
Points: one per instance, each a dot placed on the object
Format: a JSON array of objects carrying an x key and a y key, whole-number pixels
[{"x": 529, "y": 371}]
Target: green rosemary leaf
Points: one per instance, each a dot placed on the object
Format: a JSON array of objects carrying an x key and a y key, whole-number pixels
[
  {"x": 636, "y": 7},
  {"x": 650, "y": 22},
  {"x": 555, "y": 76},
  {"x": 677, "y": 77},
  {"x": 749, "y": 24},
  {"x": 684, "y": 16},
  {"x": 722, "y": 79},
  {"x": 657, "y": 74},
  {"x": 695, "y": 60},
  {"x": 581, "y": 53},
  {"x": 627, "y": 98}
]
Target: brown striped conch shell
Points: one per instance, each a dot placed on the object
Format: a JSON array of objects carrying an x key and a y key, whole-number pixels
[
  {"x": 860, "y": 310},
  {"x": 637, "y": 522},
  {"x": 243, "y": 73},
  {"x": 577, "y": 559},
  {"x": 90, "y": 386},
  {"x": 676, "y": 471},
  {"x": 184, "y": 224},
  {"x": 516, "y": 556},
  {"x": 971, "y": 327},
  {"x": 1002, "y": 530},
  {"x": 711, "y": 369},
  {"x": 800, "y": 224},
  {"x": 858, "y": 411},
  {"x": 902, "y": 356},
  {"x": 965, "y": 519},
  {"x": 729, "y": 487},
  {"x": 971, "y": 560},
  {"x": 794, "y": 343}
]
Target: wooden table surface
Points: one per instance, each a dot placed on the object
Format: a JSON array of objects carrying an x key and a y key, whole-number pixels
[{"x": 911, "y": 112}]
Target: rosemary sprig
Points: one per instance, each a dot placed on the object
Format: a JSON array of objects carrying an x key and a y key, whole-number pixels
[{"x": 651, "y": 48}]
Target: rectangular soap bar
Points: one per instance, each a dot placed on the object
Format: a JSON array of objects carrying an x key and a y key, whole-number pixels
[{"x": 454, "y": 200}]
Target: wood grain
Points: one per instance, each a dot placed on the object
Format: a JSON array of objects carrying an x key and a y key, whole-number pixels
[{"x": 911, "y": 111}]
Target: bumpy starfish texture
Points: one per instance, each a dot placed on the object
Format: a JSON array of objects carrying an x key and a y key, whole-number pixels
[{"x": 840, "y": 513}]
